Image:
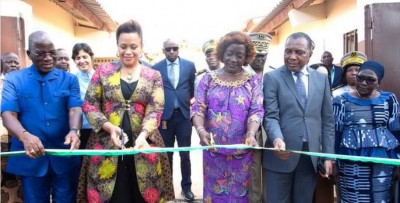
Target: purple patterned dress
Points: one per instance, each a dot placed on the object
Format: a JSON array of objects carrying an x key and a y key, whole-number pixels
[{"x": 227, "y": 108}]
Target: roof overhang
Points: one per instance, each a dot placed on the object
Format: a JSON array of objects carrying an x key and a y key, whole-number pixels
[
  {"x": 88, "y": 13},
  {"x": 278, "y": 16}
]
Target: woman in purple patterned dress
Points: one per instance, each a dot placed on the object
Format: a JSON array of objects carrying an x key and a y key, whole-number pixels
[{"x": 228, "y": 106}]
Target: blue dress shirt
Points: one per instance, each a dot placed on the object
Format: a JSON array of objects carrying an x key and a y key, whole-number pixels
[
  {"x": 42, "y": 103},
  {"x": 84, "y": 80}
]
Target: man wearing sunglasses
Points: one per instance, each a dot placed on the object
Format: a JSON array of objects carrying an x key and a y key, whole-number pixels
[
  {"x": 178, "y": 77},
  {"x": 41, "y": 109}
]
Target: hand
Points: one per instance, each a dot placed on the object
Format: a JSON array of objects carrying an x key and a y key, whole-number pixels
[
  {"x": 72, "y": 138},
  {"x": 328, "y": 164},
  {"x": 141, "y": 142},
  {"x": 280, "y": 144},
  {"x": 115, "y": 134},
  {"x": 251, "y": 141},
  {"x": 32, "y": 144},
  {"x": 205, "y": 138}
]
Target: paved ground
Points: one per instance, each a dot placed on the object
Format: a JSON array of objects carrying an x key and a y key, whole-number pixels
[{"x": 197, "y": 172}]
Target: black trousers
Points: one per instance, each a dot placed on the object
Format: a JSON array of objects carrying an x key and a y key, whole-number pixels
[{"x": 179, "y": 128}]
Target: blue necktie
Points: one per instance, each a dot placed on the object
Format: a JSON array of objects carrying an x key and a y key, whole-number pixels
[
  {"x": 301, "y": 88},
  {"x": 171, "y": 74}
]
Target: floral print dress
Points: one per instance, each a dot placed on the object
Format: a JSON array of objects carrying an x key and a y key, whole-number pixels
[
  {"x": 104, "y": 102},
  {"x": 227, "y": 108}
]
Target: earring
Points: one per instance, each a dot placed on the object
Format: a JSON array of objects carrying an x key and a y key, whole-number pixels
[{"x": 117, "y": 54}]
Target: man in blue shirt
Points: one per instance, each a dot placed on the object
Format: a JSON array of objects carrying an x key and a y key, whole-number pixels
[{"x": 41, "y": 108}]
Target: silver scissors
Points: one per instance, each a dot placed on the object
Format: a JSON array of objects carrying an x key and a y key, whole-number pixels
[{"x": 122, "y": 141}]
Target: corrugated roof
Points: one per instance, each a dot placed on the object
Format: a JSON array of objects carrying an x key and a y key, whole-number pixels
[{"x": 96, "y": 11}]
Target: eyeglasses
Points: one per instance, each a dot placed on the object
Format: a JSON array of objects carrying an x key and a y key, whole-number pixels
[
  {"x": 168, "y": 49},
  {"x": 42, "y": 54},
  {"x": 369, "y": 80}
]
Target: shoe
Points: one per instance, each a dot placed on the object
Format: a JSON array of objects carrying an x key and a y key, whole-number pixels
[{"x": 188, "y": 195}]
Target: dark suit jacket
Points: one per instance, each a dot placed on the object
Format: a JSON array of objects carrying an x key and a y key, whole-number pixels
[
  {"x": 285, "y": 116},
  {"x": 184, "y": 90},
  {"x": 337, "y": 78}
]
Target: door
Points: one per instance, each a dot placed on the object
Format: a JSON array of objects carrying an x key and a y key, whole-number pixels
[
  {"x": 382, "y": 41},
  {"x": 13, "y": 37}
]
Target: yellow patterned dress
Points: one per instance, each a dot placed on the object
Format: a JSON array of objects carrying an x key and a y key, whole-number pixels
[{"x": 104, "y": 102}]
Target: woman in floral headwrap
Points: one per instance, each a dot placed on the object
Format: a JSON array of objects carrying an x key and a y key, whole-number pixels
[{"x": 128, "y": 96}]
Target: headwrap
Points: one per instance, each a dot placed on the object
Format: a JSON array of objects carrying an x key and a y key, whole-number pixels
[{"x": 374, "y": 66}]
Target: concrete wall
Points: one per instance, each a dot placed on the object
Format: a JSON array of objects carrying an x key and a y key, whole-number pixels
[
  {"x": 342, "y": 16},
  {"x": 326, "y": 33},
  {"x": 60, "y": 25}
]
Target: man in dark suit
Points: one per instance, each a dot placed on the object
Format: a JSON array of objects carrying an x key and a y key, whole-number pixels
[
  {"x": 336, "y": 72},
  {"x": 298, "y": 116},
  {"x": 178, "y": 77}
]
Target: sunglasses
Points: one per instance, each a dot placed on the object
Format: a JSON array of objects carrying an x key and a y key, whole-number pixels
[
  {"x": 369, "y": 80},
  {"x": 168, "y": 49}
]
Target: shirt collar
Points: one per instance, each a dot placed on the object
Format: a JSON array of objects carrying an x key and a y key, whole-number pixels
[
  {"x": 173, "y": 62},
  {"x": 304, "y": 71}
]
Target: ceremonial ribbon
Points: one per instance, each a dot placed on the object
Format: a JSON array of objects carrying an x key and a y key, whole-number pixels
[{"x": 131, "y": 151}]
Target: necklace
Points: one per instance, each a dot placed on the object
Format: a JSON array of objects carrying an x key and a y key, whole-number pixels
[
  {"x": 129, "y": 77},
  {"x": 241, "y": 71}
]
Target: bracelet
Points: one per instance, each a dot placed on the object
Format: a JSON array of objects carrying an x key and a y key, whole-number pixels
[
  {"x": 200, "y": 129},
  {"x": 76, "y": 131},
  {"x": 22, "y": 133}
]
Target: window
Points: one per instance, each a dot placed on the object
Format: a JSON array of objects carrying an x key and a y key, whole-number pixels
[
  {"x": 100, "y": 60},
  {"x": 350, "y": 41}
]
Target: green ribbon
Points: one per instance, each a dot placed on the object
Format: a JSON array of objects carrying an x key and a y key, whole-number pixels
[{"x": 91, "y": 152}]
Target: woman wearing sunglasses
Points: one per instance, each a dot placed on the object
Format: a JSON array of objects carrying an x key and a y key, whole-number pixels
[{"x": 365, "y": 119}]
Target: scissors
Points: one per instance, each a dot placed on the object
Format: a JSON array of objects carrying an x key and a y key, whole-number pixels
[
  {"x": 212, "y": 143},
  {"x": 122, "y": 141}
]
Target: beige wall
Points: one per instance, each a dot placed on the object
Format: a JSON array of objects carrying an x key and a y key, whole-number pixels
[
  {"x": 52, "y": 19},
  {"x": 102, "y": 43},
  {"x": 342, "y": 16},
  {"x": 60, "y": 25}
]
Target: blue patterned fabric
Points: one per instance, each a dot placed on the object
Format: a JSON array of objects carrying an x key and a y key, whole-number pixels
[
  {"x": 364, "y": 126},
  {"x": 364, "y": 182}
]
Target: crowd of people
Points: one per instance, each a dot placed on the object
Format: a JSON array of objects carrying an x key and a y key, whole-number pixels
[{"x": 130, "y": 104}]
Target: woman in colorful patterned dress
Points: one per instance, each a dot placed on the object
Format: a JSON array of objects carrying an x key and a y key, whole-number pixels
[
  {"x": 124, "y": 101},
  {"x": 365, "y": 120},
  {"x": 228, "y": 107}
]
